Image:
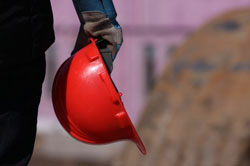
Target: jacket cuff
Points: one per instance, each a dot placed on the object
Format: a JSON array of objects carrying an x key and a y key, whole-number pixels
[
  {"x": 104, "y": 6},
  {"x": 109, "y": 8},
  {"x": 88, "y": 5}
]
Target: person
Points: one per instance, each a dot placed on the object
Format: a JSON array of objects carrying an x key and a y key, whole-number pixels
[{"x": 26, "y": 32}]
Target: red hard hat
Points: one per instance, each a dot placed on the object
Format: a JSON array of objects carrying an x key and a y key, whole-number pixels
[{"x": 87, "y": 103}]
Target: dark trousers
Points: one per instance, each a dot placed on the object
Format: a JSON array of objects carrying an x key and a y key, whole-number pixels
[{"x": 20, "y": 92}]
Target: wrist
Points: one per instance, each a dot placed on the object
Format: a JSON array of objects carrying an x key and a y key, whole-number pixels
[{"x": 92, "y": 16}]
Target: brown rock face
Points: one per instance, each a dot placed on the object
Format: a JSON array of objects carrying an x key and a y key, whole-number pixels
[{"x": 199, "y": 112}]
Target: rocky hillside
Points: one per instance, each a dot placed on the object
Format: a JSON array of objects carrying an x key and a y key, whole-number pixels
[{"x": 198, "y": 114}]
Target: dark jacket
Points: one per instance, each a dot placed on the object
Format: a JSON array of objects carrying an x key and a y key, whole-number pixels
[{"x": 26, "y": 29}]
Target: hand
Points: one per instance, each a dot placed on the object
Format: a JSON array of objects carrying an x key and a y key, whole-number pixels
[{"x": 96, "y": 24}]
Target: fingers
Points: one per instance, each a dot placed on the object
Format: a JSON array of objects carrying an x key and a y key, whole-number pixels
[{"x": 97, "y": 25}]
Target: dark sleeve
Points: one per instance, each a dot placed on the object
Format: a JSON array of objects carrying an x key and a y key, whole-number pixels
[
  {"x": 109, "y": 8},
  {"x": 105, "y": 6},
  {"x": 88, "y": 5},
  {"x": 110, "y": 11}
]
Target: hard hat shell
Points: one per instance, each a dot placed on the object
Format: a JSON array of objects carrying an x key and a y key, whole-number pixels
[{"x": 87, "y": 103}]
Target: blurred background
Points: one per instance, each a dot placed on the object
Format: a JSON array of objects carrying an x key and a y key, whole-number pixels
[{"x": 184, "y": 71}]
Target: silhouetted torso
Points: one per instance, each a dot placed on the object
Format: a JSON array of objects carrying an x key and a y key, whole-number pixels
[{"x": 26, "y": 29}]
